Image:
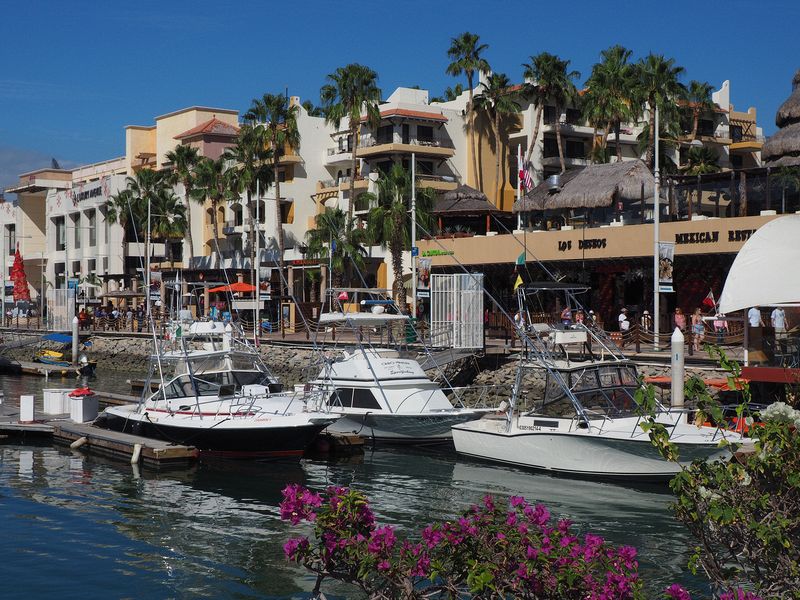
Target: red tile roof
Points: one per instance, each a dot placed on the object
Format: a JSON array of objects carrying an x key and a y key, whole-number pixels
[
  {"x": 414, "y": 114},
  {"x": 213, "y": 125}
]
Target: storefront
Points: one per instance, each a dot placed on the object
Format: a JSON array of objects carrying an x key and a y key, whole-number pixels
[{"x": 615, "y": 260}]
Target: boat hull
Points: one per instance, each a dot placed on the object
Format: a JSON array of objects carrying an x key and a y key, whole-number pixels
[
  {"x": 215, "y": 436},
  {"x": 578, "y": 453},
  {"x": 394, "y": 428}
]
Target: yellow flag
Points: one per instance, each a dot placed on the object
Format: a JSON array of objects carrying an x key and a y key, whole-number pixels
[{"x": 518, "y": 282}]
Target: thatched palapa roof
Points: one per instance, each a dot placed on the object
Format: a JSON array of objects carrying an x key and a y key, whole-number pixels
[
  {"x": 783, "y": 148},
  {"x": 592, "y": 186},
  {"x": 464, "y": 201}
]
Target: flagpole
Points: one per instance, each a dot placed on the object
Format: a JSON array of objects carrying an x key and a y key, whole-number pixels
[
  {"x": 519, "y": 186},
  {"x": 257, "y": 273},
  {"x": 413, "y": 234}
]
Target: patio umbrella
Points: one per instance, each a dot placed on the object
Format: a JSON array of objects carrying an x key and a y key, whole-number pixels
[
  {"x": 21, "y": 291},
  {"x": 235, "y": 287}
]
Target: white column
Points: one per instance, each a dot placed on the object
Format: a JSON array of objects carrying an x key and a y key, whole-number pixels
[{"x": 656, "y": 236}]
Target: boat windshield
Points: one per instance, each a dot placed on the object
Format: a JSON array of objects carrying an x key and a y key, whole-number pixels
[
  {"x": 213, "y": 384},
  {"x": 602, "y": 390}
]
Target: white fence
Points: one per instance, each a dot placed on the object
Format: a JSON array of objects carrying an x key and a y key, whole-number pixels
[
  {"x": 457, "y": 310},
  {"x": 60, "y": 309}
]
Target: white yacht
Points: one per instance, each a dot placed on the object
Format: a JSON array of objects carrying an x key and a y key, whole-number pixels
[
  {"x": 585, "y": 421},
  {"x": 381, "y": 393},
  {"x": 216, "y": 394}
]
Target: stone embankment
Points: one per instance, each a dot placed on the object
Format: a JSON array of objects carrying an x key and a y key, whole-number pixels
[{"x": 490, "y": 377}]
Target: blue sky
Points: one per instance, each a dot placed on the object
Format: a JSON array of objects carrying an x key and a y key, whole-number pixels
[{"x": 73, "y": 74}]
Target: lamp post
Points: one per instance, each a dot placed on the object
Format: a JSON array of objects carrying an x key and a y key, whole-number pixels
[{"x": 656, "y": 235}]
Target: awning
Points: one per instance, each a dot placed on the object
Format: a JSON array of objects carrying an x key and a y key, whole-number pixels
[{"x": 765, "y": 271}]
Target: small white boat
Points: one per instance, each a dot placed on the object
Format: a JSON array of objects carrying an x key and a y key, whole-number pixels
[
  {"x": 585, "y": 422},
  {"x": 383, "y": 394},
  {"x": 216, "y": 394}
]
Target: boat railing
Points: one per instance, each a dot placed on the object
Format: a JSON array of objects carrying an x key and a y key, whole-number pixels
[{"x": 479, "y": 396}]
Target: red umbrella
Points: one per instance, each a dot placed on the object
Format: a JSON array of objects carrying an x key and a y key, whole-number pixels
[
  {"x": 234, "y": 287},
  {"x": 21, "y": 291}
]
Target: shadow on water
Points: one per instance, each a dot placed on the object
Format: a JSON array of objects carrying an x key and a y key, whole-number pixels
[{"x": 214, "y": 530}]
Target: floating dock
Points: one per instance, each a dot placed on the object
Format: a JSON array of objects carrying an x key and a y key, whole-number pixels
[{"x": 153, "y": 453}]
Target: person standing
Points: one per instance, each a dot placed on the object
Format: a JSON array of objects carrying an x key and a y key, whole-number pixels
[
  {"x": 646, "y": 321},
  {"x": 721, "y": 328},
  {"x": 778, "y": 318},
  {"x": 680, "y": 319},
  {"x": 698, "y": 329},
  {"x": 624, "y": 323},
  {"x": 566, "y": 316},
  {"x": 754, "y": 317}
]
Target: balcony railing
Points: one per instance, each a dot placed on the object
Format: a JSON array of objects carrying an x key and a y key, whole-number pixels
[
  {"x": 334, "y": 151},
  {"x": 369, "y": 140}
]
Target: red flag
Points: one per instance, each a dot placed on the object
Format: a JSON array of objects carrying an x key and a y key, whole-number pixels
[{"x": 709, "y": 300}]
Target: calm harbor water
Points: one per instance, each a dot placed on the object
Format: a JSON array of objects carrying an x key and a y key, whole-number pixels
[{"x": 80, "y": 526}]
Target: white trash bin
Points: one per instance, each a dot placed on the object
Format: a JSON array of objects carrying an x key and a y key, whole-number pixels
[{"x": 83, "y": 408}]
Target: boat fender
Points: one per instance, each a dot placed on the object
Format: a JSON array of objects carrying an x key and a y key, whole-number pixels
[
  {"x": 78, "y": 443},
  {"x": 137, "y": 451}
]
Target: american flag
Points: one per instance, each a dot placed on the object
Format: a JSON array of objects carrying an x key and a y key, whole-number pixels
[{"x": 525, "y": 176}]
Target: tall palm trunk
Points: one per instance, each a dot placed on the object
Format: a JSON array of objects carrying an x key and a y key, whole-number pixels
[
  {"x": 651, "y": 143},
  {"x": 695, "y": 123},
  {"x": 498, "y": 142},
  {"x": 187, "y": 188},
  {"x": 215, "y": 226},
  {"x": 617, "y": 128},
  {"x": 471, "y": 111},
  {"x": 353, "y": 171},
  {"x": 252, "y": 214},
  {"x": 558, "y": 139},
  {"x": 536, "y": 121},
  {"x": 278, "y": 222},
  {"x": 398, "y": 289}
]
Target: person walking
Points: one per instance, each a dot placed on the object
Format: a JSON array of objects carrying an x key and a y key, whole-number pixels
[
  {"x": 646, "y": 321},
  {"x": 698, "y": 329}
]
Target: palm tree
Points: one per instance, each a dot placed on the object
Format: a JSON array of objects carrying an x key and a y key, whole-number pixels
[
  {"x": 450, "y": 94},
  {"x": 184, "y": 159},
  {"x": 335, "y": 237},
  {"x": 657, "y": 85},
  {"x": 279, "y": 119},
  {"x": 168, "y": 218},
  {"x": 552, "y": 82},
  {"x": 124, "y": 210},
  {"x": 788, "y": 178},
  {"x": 313, "y": 111},
  {"x": 252, "y": 167},
  {"x": 497, "y": 102},
  {"x": 698, "y": 95},
  {"x": 212, "y": 184},
  {"x": 349, "y": 91},
  {"x": 701, "y": 160},
  {"x": 390, "y": 220},
  {"x": 465, "y": 54},
  {"x": 144, "y": 187},
  {"x": 609, "y": 100}
]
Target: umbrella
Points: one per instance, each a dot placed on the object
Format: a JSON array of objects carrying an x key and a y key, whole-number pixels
[{"x": 234, "y": 287}]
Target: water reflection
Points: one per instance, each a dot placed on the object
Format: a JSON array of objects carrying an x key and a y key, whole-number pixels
[{"x": 214, "y": 530}]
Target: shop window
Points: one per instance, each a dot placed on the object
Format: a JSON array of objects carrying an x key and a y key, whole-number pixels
[{"x": 61, "y": 234}]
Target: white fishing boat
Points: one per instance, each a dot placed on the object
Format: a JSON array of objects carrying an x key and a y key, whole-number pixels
[
  {"x": 585, "y": 422},
  {"x": 215, "y": 393},
  {"x": 381, "y": 392}
]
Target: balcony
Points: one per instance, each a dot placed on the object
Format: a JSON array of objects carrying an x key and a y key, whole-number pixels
[
  {"x": 338, "y": 156},
  {"x": 371, "y": 146},
  {"x": 437, "y": 182},
  {"x": 232, "y": 227},
  {"x": 343, "y": 183},
  {"x": 569, "y": 127}
]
